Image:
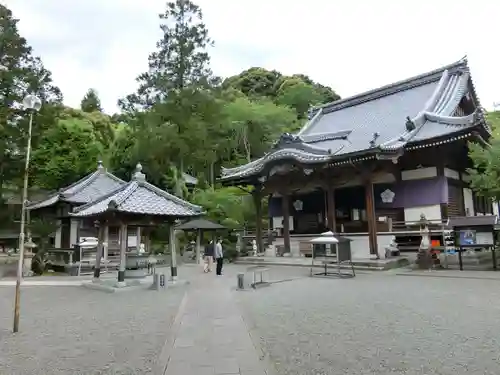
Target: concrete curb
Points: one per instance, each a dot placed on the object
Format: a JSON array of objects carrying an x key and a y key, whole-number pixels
[
  {"x": 263, "y": 263},
  {"x": 135, "y": 285},
  {"x": 26, "y": 283}
]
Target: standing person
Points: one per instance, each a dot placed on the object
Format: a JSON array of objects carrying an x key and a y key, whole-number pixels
[
  {"x": 209, "y": 257},
  {"x": 219, "y": 256}
]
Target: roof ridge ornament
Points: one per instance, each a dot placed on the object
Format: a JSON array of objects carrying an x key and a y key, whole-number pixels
[
  {"x": 288, "y": 139},
  {"x": 100, "y": 166},
  {"x": 138, "y": 175},
  {"x": 112, "y": 205},
  {"x": 311, "y": 112},
  {"x": 410, "y": 125},
  {"x": 373, "y": 142}
]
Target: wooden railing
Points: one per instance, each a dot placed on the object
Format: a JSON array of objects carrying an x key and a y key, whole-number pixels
[
  {"x": 388, "y": 226},
  {"x": 406, "y": 233}
]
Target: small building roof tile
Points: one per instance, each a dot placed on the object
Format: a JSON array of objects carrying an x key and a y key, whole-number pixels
[
  {"x": 85, "y": 190},
  {"x": 139, "y": 197}
]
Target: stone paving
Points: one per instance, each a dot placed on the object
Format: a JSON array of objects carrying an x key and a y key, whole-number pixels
[
  {"x": 378, "y": 323},
  {"x": 72, "y": 330},
  {"x": 194, "y": 329},
  {"x": 211, "y": 336}
]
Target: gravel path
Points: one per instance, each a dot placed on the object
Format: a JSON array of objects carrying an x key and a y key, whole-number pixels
[
  {"x": 378, "y": 324},
  {"x": 72, "y": 330}
]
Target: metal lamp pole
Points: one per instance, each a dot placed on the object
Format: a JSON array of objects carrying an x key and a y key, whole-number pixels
[{"x": 31, "y": 103}]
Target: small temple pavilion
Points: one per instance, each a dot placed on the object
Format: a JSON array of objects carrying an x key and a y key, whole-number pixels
[
  {"x": 362, "y": 164},
  {"x": 90, "y": 188},
  {"x": 60, "y": 204},
  {"x": 136, "y": 204}
]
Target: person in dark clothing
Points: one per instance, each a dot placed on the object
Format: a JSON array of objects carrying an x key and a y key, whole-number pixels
[
  {"x": 219, "y": 256},
  {"x": 209, "y": 257}
]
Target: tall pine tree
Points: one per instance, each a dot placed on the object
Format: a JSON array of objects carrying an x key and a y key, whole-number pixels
[
  {"x": 21, "y": 73},
  {"x": 181, "y": 60},
  {"x": 91, "y": 102},
  {"x": 171, "y": 92}
]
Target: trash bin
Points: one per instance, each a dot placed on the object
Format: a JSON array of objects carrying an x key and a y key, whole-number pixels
[{"x": 344, "y": 249}]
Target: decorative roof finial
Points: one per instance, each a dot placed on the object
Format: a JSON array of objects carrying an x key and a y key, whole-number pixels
[
  {"x": 373, "y": 142},
  {"x": 138, "y": 175},
  {"x": 311, "y": 112},
  {"x": 410, "y": 125},
  {"x": 99, "y": 164}
]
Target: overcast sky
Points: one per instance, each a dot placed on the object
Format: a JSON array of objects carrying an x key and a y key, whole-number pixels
[{"x": 350, "y": 45}]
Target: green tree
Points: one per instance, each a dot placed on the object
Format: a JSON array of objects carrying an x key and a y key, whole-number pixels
[
  {"x": 255, "y": 82},
  {"x": 181, "y": 60},
  {"x": 123, "y": 155},
  {"x": 103, "y": 125},
  {"x": 328, "y": 95},
  {"x": 485, "y": 174},
  {"x": 66, "y": 152},
  {"x": 91, "y": 102},
  {"x": 175, "y": 95},
  {"x": 296, "y": 91},
  {"x": 299, "y": 95},
  {"x": 493, "y": 119},
  {"x": 227, "y": 206},
  {"x": 254, "y": 125},
  {"x": 20, "y": 73}
]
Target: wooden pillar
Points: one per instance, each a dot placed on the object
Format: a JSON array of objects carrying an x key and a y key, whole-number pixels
[
  {"x": 173, "y": 252},
  {"x": 100, "y": 249},
  {"x": 147, "y": 240},
  {"x": 123, "y": 253},
  {"x": 138, "y": 236},
  {"x": 106, "y": 241},
  {"x": 330, "y": 202},
  {"x": 370, "y": 217},
  {"x": 58, "y": 239},
  {"x": 285, "y": 202},
  {"x": 257, "y": 198},
  {"x": 198, "y": 246},
  {"x": 73, "y": 232}
]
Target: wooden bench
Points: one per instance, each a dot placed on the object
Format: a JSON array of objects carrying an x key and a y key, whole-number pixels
[{"x": 258, "y": 270}]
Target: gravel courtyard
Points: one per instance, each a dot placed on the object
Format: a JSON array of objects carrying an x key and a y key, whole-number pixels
[
  {"x": 378, "y": 323},
  {"x": 72, "y": 330}
]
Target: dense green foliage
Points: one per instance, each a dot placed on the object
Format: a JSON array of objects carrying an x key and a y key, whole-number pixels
[
  {"x": 67, "y": 151},
  {"x": 20, "y": 73},
  {"x": 182, "y": 118},
  {"x": 485, "y": 175}
]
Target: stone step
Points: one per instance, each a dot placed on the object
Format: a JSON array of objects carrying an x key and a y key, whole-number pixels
[{"x": 370, "y": 265}]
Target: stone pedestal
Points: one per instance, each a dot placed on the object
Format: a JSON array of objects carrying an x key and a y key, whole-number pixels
[
  {"x": 28, "y": 260},
  {"x": 270, "y": 251}
]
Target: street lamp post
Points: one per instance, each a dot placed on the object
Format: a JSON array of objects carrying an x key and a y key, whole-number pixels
[{"x": 31, "y": 103}]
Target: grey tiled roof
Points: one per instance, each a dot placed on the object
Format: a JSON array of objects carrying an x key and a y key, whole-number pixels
[
  {"x": 385, "y": 120},
  {"x": 85, "y": 190},
  {"x": 199, "y": 224},
  {"x": 139, "y": 197}
]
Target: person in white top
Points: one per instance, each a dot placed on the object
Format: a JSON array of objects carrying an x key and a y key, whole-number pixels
[{"x": 219, "y": 256}]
